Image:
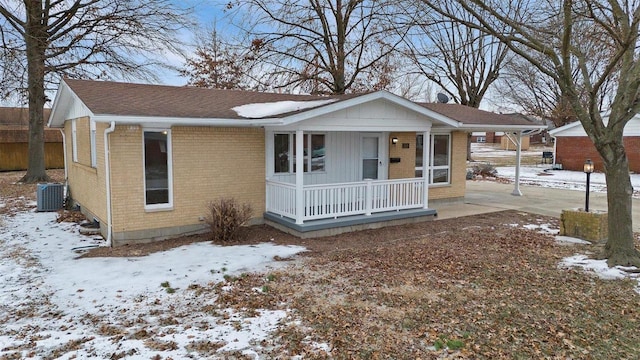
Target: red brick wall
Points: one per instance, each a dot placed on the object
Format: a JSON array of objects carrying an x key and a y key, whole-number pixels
[{"x": 572, "y": 151}]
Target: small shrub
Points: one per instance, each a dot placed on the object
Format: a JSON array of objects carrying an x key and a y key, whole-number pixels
[
  {"x": 485, "y": 170},
  {"x": 225, "y": 218}
]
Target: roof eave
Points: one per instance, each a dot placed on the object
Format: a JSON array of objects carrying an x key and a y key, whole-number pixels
[
  {"x": 506, "y": 128},
  {"x": 154, "y": 121}
]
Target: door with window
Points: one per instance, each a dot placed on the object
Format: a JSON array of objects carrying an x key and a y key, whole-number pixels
[{"x": 372, "y": 155}]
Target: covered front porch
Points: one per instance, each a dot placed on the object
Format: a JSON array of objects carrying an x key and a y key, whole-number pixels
[{"x": 346, "y": 166}]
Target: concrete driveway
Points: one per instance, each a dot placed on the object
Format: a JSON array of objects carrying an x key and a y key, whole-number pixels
[{"x": 487, "y": 196}]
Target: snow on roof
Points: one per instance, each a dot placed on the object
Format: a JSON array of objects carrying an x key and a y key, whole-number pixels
[{"x": 262, "y": 110}]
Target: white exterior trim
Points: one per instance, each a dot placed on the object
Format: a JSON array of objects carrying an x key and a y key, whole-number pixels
[{"x": 169, "y": 205}]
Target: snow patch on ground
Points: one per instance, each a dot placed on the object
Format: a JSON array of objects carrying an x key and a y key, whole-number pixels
[
  {"x": 601, "y": 269},
  {"x": 571, "y": 240},
  {"x": 544, "y": 176},
  {"x": 542, "y": 228},
  {"x": 66, "y": 297}
]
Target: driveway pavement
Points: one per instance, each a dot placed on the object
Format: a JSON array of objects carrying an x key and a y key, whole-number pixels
[{"x": 487, "y": 196}]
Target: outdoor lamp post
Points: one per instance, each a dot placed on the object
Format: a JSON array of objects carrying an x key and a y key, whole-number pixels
[{"x": 588, "y": 169}]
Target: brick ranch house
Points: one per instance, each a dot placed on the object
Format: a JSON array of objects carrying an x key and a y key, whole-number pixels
[
  {"x": 573, "y": 147},
  {"x": 145, "y": 160},
  {"x": 14, "y": 141}
]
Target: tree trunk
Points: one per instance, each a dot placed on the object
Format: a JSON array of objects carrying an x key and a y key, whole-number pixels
[
  {"x": 35, "y": 41},
  {"x": 469, "y": 147},
  {"x": 620, "y": 248}
]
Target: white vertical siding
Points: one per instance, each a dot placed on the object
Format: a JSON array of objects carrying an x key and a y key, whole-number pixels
[{"x": 342, "y": 161}]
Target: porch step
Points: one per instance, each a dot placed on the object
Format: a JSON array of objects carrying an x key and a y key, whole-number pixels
[{"x": 329, "y": 227}]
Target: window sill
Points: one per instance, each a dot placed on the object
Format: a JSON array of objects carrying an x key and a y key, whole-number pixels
[
  {"x": 306, "y": 173},
  {"x": 158, "y": 209},
  {"x": 437, "y": 185}
]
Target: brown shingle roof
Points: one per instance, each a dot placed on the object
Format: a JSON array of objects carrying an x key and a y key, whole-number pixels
[
  {"x": 472, "y": 116},
  {"x": 116, "y": 98}
]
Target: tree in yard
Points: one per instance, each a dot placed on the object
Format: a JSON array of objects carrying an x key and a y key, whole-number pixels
[
  {"x": 319, "y": 46},
  {"x": 219, "y": 65},
  {"x": 539, "y": 94},
  {"x": 79, "y": 38},
  {"x": 463, "y": 61},
  {"x": 598, "y": 41}
]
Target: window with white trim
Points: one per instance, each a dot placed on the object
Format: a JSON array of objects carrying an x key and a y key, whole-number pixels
[
  {"x": 439, "y": 166},
  {"x": 314, "y": 153},
  {"x": 157, "y": 169}
]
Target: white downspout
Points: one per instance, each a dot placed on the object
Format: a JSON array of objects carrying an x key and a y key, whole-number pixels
[
  {"x": 64, "y": 152},
  {"x": 518, "y": 138},
  {"x": 107, "y": 175}
]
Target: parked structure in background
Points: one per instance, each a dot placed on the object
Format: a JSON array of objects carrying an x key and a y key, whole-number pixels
[
  {"x": 498, "y": 137},
  {"x": 14, "y": 141},
  {"x": 572, "y": 146}
]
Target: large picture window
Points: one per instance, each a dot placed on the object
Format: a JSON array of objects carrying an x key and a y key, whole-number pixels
[
  {"x": 157, "y": 169},
  {"x": 285, "y": 153},
  {"x": 439, "y": 166}
]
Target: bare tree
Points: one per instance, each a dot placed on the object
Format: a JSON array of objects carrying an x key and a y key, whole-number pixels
[
  {"x": 80, "y": 38},
  {"x": 596, "y": 39},
  {"x": 463, "y": 61},
  {"x": 539, "y": 94},
  {"x": 217, "y": 64},
  {"x": 319, "y": 46}
]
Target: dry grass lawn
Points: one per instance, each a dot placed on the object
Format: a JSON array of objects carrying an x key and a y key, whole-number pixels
[{"x": 470, "y": 288}]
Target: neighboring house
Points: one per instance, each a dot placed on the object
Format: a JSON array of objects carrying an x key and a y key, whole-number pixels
[
  {"x": 145, "y": 160},
  {"x": 573, "y": 147},
  {"x": 14, "y": 141}
]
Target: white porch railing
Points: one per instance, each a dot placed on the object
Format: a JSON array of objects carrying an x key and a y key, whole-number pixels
[{"x": 334, "y": 200}]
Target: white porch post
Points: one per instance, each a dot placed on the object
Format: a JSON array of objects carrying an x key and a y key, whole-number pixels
[
  {"x": 518, "y": 138},
  {"x": 426, "y": 151},
  {"x": 299, "y": 176}
]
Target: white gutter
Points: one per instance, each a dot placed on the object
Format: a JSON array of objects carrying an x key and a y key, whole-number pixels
[
  {"x": 107, "y": 174},
  {"x": 178, "y": 121},
  {"x": 505, "y": 128}
]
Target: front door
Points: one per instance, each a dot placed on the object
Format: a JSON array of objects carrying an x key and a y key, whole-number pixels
[{"x": 371, "y": 150}]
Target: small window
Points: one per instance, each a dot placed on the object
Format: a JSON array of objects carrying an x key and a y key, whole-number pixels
[
  {"x": 281, "y": 154},
  {"x": 314, "y": 153},
  {"x": 439, "y": 155},
  {"x": 481, "y": 139},
  {"x": 157, "y": 169}
]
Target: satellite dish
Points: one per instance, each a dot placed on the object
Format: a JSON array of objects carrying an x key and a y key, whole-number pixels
[{"x": 442, "y": 98}]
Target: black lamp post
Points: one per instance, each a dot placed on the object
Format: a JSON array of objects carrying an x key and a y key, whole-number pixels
[{"x": 588, "y": 169}]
